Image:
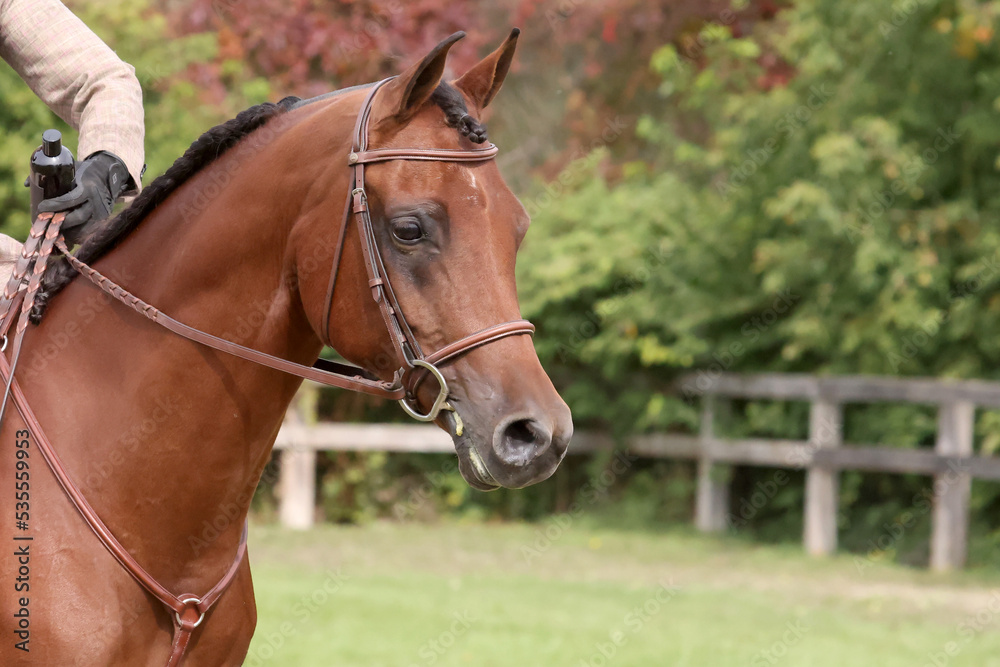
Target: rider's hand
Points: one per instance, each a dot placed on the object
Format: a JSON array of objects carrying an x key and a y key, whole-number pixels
[{"x": 100, "y": 179}]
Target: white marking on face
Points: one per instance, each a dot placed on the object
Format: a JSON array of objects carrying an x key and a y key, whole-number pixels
[{"x": 477, "y": 197}]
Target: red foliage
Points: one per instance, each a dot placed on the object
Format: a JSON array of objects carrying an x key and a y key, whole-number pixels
[
  {"x": 307, "y": 47},
  {"x": 588, "y": 59}
]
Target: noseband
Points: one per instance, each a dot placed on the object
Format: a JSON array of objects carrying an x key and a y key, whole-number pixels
[{"x": 415, "y": 365}]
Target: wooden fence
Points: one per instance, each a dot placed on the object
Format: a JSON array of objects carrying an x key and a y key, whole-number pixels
[{"x": 951, "y": 463}]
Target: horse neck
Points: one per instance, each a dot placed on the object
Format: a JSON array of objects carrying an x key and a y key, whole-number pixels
[{"x": 132, "y": 403}]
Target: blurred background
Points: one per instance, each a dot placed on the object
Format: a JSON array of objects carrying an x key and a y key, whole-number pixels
[{"x": 715, "y": 187}]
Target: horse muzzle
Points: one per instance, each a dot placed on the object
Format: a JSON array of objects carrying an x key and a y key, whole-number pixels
[{"x": 520, "y": 450}]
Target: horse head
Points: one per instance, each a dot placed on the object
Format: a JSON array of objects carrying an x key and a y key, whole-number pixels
[{"x": 446, "y": 233}]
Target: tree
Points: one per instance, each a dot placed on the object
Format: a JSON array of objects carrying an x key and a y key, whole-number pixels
[
  {"x": 833, "y": 220},
  {"x": 820, "y": 198}
]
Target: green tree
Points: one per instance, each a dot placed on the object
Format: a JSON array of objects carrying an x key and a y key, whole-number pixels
[
  {"x": 837, "y": 219},
  {"x": 822, "y": 198}
]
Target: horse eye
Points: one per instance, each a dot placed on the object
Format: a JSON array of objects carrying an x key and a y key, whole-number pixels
[{"x": 407, "y": 230}]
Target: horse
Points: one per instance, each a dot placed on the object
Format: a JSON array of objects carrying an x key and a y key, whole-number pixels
[{"x": 165, "y": 434}]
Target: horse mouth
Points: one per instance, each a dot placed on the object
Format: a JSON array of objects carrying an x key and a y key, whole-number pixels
[
  {"x": 470, "y": 462},
  {"x": 481, "y": 478}
]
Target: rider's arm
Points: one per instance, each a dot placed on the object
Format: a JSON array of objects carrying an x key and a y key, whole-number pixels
[{"x": 78, "y": 76}]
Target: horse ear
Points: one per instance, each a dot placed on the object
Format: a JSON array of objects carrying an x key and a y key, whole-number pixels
[
  {"x": 408, "y": 91},
  {"x": 483, "y": 81}
]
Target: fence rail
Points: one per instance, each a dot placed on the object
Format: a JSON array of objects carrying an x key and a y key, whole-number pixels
[{"x": 951, "y": 462}]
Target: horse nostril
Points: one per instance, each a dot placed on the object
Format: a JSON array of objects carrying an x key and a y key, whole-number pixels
[
  {"x": 523, "y": 431},
  {"x": 519, "y": 442},
  {"x": 560, "y": 442}
]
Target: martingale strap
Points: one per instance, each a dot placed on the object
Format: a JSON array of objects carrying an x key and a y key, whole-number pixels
[{"x": 188, "y": 610}]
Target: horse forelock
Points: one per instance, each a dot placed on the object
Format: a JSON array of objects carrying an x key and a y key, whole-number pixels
[{"x": 457, "y": 114}]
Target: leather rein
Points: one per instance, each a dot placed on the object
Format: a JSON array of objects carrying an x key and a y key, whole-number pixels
[{"x": 22, "y": 288}]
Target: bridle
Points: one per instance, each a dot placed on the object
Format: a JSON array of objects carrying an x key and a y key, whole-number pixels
[
  {"x": 19, "y": 297},
  {"x": 415, "y": 364}
]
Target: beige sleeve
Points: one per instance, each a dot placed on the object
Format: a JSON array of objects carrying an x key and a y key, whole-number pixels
[{"x": 77, "y": 75}]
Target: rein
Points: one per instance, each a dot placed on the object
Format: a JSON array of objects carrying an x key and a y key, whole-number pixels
[{"x": 189, "y": 610}]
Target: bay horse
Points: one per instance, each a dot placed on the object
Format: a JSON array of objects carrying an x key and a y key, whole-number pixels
[{"x": 244, "y": 238}]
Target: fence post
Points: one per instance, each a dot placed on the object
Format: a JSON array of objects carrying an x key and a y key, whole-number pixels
[
  {"x": 712, "y": 500},
  {"x": 297, "y": 480},
  {"x": 819, "y": 533},
  {"x": 952, "y": 487}
]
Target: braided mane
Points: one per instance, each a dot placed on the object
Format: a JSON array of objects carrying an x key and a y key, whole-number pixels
[{"x": 205, "y": 150}]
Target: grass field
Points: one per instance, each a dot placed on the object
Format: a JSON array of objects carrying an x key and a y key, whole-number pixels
[{"x": 510, "y": 596}]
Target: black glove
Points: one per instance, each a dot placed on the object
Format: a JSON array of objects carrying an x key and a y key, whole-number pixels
[{"x": 100, "y": 179}]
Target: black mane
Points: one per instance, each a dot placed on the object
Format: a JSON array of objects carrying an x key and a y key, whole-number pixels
[{"x": 205, "y": 150}]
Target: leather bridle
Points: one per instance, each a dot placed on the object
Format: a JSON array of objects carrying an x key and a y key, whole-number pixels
[
  {"x": 415, "y": 365},
  {"x": 19, "y": 297}
]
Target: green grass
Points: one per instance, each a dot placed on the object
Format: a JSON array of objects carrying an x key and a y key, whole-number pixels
[{"x": 506, "y": 595}]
